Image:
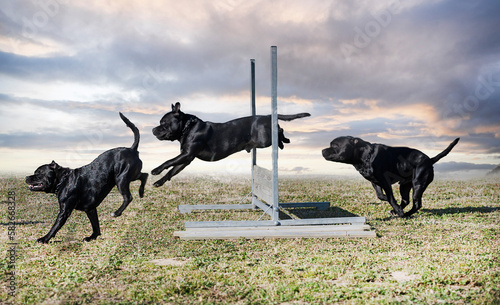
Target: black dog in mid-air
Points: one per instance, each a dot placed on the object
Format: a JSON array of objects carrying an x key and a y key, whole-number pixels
[
  {"x": 384, "y": 165},
  {"x": 213, "y": 141},
  {"x": 86, "y": 187}
]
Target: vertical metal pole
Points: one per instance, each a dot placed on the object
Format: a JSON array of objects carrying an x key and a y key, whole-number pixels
[
  {"x": 252, "y": 84},
  {"x": 252, "y": 98},
  {"x": 274, "y": 130}
]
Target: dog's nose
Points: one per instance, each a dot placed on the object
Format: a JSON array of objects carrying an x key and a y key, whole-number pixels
[{"x": 323, "y": 152}]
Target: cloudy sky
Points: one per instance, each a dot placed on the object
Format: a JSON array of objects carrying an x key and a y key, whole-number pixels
[{"x": 416, "y": 73}]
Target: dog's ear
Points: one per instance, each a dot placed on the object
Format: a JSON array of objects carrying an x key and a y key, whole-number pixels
[
  {"x": 358, "y": 142},
  {"x": 53, "y": 165},
  {"x": 354, "y": 140},
  {"x": 177, "y": 107}
]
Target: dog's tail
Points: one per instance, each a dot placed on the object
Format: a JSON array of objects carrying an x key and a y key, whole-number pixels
[
  {"x": 289, "y": 117},
  {"x": 134, "y": 130},
  {"x": 445, "y": 152}
]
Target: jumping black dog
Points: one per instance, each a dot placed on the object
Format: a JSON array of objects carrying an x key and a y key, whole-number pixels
[
  {"x": 213, "y": 141},
  {"x": 384, "y": 165},
  {"x": 86, "y": 187}
]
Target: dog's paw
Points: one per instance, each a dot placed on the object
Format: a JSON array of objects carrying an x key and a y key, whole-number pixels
[
  {"x": 42, "y": 240},
  {"x": 394, "y": 213},
  {"x": 116, "y": 214},
  {"x": 158, "y": 183},
  {"x": 156, "y": 171},
  {"x": 408, "y": 214},
  {"x": 91, "y": 237}
]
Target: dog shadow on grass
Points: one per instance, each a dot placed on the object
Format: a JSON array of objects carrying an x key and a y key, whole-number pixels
[
  {"x": 451, "y": 211},
  {"x": 448, "y": 211},
  {"x": 20, "y": 223}
]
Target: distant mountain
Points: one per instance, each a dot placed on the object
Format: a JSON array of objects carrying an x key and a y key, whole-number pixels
[{"x": 494, "y": 172}]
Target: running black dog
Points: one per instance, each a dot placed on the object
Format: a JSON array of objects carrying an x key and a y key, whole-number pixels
[
  {"x": 213, "y": 141},
  {"x": 86, "y": 187},
  {"x": 384, "y": 165}
]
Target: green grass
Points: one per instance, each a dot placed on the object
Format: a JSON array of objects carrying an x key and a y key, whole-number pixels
[{"x": 448, "y": 253}]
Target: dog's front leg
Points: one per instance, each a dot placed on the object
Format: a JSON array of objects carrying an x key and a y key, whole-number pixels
[
  {"x": 180, "y": 159},
  {"x": 94, "y": 221},
  {"x": 380, "y": 192},
  {"x": 174, "y": 171},
  {"x": 60, "y": 221},
  {"x": 405, "y": 189},
  {"x": 162, "y": 167},
  {"x": 396, "y": 209},
  {"x": 179, "y": 163}
]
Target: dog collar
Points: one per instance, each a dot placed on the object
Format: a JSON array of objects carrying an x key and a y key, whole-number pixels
[
  {"x": 187, "y": 125},
  {"x": 62, "y": 180},
  {"x": 364, "y": 170},
  {"x": 368, "y": 156}
]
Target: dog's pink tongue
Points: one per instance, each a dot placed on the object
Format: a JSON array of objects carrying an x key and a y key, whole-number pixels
[{"x": 33, "y": 186}]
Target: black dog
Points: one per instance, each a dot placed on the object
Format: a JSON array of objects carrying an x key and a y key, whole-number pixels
[
  {"x": 213, "y": 141},
  {"x": 384, "y": 165},
  {"x": 86, "y": 187}
]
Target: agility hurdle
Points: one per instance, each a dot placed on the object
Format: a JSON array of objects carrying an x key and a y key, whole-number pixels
[{"x": 265, "y": 196}]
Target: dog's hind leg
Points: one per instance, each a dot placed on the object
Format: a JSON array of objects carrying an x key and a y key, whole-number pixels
[
  {"x": 94, "y": 221},
  {"x": 421, "y": 181},
  {"x": 418, "y": 191},
  {"x": 124, "y": 189},
  {"x": 143, "y": 178},
  {"x": 281, "y": 138}
]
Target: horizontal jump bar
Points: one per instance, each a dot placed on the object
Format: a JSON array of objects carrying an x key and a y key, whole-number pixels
[{"x": 189, "y": 208}]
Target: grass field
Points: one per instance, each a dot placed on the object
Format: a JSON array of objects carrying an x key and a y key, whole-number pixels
[{"x": 447, "y": 253}]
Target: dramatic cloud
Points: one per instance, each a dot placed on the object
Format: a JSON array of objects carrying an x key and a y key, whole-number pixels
[{"x": 415, "y": 73}]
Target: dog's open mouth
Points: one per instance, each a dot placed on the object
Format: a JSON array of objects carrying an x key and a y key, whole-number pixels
[
  {"x": 35, "y": 187},
  {"x": 163, "y": 137}
]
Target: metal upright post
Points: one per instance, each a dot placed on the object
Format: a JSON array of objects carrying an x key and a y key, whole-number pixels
[
  {"x": 252, "y": 98},
  {"x": 274, "y": 130}
]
